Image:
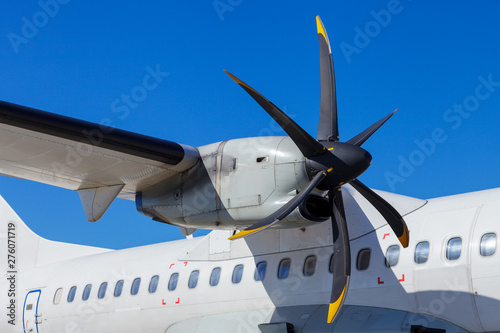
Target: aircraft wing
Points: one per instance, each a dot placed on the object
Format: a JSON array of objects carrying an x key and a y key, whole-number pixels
[{"x": 99, "y": 162}]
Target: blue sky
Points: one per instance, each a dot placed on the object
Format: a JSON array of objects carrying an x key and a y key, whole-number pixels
[{"x": 438, "y": 62}]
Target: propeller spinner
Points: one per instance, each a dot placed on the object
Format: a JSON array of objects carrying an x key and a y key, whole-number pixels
[{"x": 330, "y": 164}]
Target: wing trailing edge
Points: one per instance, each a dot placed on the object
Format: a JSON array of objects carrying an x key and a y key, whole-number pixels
[{"x": 99, "y": 162}]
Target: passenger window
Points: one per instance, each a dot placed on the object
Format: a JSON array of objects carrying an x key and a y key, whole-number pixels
[
  {"x": 260, "y": 271},
  {"x": 153, "y": 284},
  {"x": 421, "y": 252},
  {"x": 102, "y": 290},
  {"x": 237, "y": 274},
  {"x": 71, "y": 294},
  {"x": 330, "y": 264},
  {"x": 309, "y": 265},
  {"x": 284, "y": 268},
  {"x": 392, "y": 256},
  {"x": 135, "y": 286},
  {"x": 363, "y": 260},
  {"x": 57, "y": 296},
  {"x": 488, "y": 244},
  {"x": 454, "y": 248},
  {"x": 193, "y": 279},
  {"x": 215, "y": 276},
  {"x": 86, "y": 292},
  {"x": 118, "y": 288},
  {"x": 172, "y": 282}
]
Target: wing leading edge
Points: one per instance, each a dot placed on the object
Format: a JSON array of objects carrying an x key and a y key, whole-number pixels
[{"x": 99, "y": 162}]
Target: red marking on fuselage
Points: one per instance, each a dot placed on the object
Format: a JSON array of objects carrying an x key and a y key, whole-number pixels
[
  {"x": 163, "y": 302},
  {"x": 380, "y": 282},
  {"x": 402, "y": 279},
  {"x": 178, "y": 300},
  {"x": 185, "y": 263},
  {"x": 171, "y": 266},
  {"x": 385, "y": 235}
]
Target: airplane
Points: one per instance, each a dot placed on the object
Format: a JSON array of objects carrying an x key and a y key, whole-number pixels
[{"x": 299, "y": 243}]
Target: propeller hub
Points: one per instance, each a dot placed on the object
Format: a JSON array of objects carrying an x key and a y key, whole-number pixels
[{"x": 346, "y": 162}]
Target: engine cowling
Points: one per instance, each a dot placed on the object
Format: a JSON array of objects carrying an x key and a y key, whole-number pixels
[{"x": 235, "y": 184}]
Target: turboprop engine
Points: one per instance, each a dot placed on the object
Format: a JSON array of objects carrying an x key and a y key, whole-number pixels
[{"x": 236, "y": 183}]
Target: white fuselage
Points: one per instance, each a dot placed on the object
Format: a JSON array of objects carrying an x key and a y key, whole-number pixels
[{"x": 439, "y": 293}]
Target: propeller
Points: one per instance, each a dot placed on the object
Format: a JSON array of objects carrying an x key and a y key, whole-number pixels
[{"x": 329, "y": 164}]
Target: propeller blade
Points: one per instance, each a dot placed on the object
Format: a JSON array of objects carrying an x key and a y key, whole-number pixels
[
  {"x": 359, "y": 139},
  {"x": 341, "y": 254},
  {"x": 306, "y": 143},
  {"x": 391, "y": 215},
  {"x": 283, "y": 212},
  {"x": 328, "y": 129}
]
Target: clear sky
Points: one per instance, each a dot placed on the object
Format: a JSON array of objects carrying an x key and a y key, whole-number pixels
[{"x": 437, "y": 61}]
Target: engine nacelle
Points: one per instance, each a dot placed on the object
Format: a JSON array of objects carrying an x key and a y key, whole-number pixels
[{"x": 235, "y": 184}]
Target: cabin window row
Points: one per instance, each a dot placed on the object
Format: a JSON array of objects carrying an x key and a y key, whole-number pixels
[
  {"x": 453, "y": 251},
  {"x": 283, "y": 271},
  {"x": 101, "y": 292}
]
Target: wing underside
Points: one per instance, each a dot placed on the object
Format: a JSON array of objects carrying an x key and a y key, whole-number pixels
[{"x": 100, "y": 162}]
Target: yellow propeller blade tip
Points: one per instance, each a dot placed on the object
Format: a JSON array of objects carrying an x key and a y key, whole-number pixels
[
  {"x": 404, "y": 239},
  {"x": 233, "y": 77},
  {"x": 334, "y": 307},
  {"x": 321, "y": 28},
  {"x": 241, "y": 83},
  {"x": 244, "y": 233}
]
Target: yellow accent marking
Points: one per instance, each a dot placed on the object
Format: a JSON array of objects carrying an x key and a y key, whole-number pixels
[
  {"x": 321, "y": 28},
  {"x": 342, "y": 183},
  {"x": 334, "y": 307},
  {"x": 241, "y": 83},
  {"x": 404, "y": 238},
  {"x": 330, "y": 148},
  {"x": 244, "y": 233},
  {"x": 329, "y": 170},
  {"x": 234, "y": 77}
]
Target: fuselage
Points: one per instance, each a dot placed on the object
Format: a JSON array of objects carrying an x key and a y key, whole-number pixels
[{"x": 443, "y": 285}]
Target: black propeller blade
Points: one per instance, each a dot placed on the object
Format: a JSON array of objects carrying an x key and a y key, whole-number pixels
[
  {"x": 359, "y": 139},
  {"x": 341, "y": 253},
  {"x": 284, "y": 210},
  {"x": 329, "y": 165},
  {"x": 328, "y": 129},
  {"x": 391, "y": 215},
  {"x": 306, "y": 143}
]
